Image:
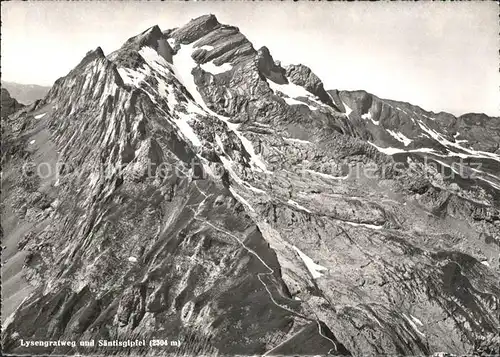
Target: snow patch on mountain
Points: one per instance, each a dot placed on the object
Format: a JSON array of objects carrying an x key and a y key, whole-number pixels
[
  {"x": 457, "y": 140},
  {"x": 131, "y": 77},
  {"x": 327, "y": 176},
  {"x": 154, "y": 60},
  {"x": 254, "y": 158},
  {"x": 228, "y": 166},
  {"x": 445, "y": 142},
  {"x": 291, "y": 101},
  {"x": 413, "y": 325},
  {"x": 171, "y": 42},
  {"x": 253, "y": 188},
  {"x": 212, "y": 68},
  {"x": 183, "y": 66},
  {"x": 40, "y": 116},
  {"x": 163, "y": 90},
  {"x": 219, "y": 142},
  {"x": 392, "y": 151},
  {"x": 348, "y": 110},
  {"x": 156, "y": 65},
  {"x": 400, "y": 137},
  {"x": 293, "y": 91},
  {"x": 416, "y": 320},
  {"x": 387, "y": 151},
  {"x": 366, "y": 225},
  {"x": 290, "y": 89},
  {"x": 368, "y": 116},
  {"x": 293, "y": 140},
  {"x": 241, "y": 199},
  {"x": 183, "y": 124},
  {"x": 296, "y": 205},
  {"x": 314, "y": 269},
  {"x": 206, "y": 47}
]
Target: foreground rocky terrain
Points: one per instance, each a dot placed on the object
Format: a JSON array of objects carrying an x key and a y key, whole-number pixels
[{"x": 189, "y": 187}]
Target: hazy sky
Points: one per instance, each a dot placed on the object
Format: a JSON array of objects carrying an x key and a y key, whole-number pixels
[{"x": 441, "y": 56}]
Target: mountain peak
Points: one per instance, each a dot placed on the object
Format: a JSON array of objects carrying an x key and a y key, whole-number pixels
[
  {"x": 148, "y": 37},
  {"x": 152, "y": 37},
  {"x": 89, "y": 57},
  {"x": 195, "y": 29},
  {"x": 304, "y": 76},
  {"x": 269, "y": 68}
]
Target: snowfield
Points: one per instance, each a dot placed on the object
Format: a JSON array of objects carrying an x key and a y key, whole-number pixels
[
  {"x": 348, "y": 110},
  {"x": 314, "y": 269},
  {"x": 293, "y": 91},
  {"x": 400, "y": 137},
  {"x": 368, "y": 116},
  {"x": 296, "y": 205},
  {"x": 210, "y": 67}
]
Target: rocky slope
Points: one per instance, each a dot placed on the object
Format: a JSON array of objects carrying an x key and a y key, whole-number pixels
[{"x": 200, "y": 191}]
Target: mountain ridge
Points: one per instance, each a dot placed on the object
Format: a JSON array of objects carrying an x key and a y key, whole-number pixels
[
  {"x": 25, "y": 93},
  {"x": 419, "y": 107},
  {"x": 264, "y": 239}
]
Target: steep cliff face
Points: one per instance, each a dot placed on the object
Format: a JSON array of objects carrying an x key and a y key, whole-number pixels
[
  {"x": 200, "y": 191},
  {"x": 9, "y": 104}
]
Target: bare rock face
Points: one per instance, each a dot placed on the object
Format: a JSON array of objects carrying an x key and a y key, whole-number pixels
[
  {"x": 151, "y": 38},
  {"x": 196, "y": 29},
  {"x": 269, "y": 68},
  {"x": 303, "y": 76},
  {"x": 202, "y": 193},
  {"x": 9, "y": 104},
  {"x": 480, "y": 130}
]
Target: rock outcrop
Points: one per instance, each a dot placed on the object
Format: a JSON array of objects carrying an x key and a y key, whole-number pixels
[{"x": 9, "y": 104}]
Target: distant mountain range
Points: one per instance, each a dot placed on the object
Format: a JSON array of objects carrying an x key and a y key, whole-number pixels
[{"x": 25, "y": 93}]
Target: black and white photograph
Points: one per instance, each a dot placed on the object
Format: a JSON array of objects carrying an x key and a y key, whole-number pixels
[{"x": 250, "y": 178}]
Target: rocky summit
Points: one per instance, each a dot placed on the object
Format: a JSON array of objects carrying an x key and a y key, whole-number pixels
[{"x": 191, "y": 192}]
